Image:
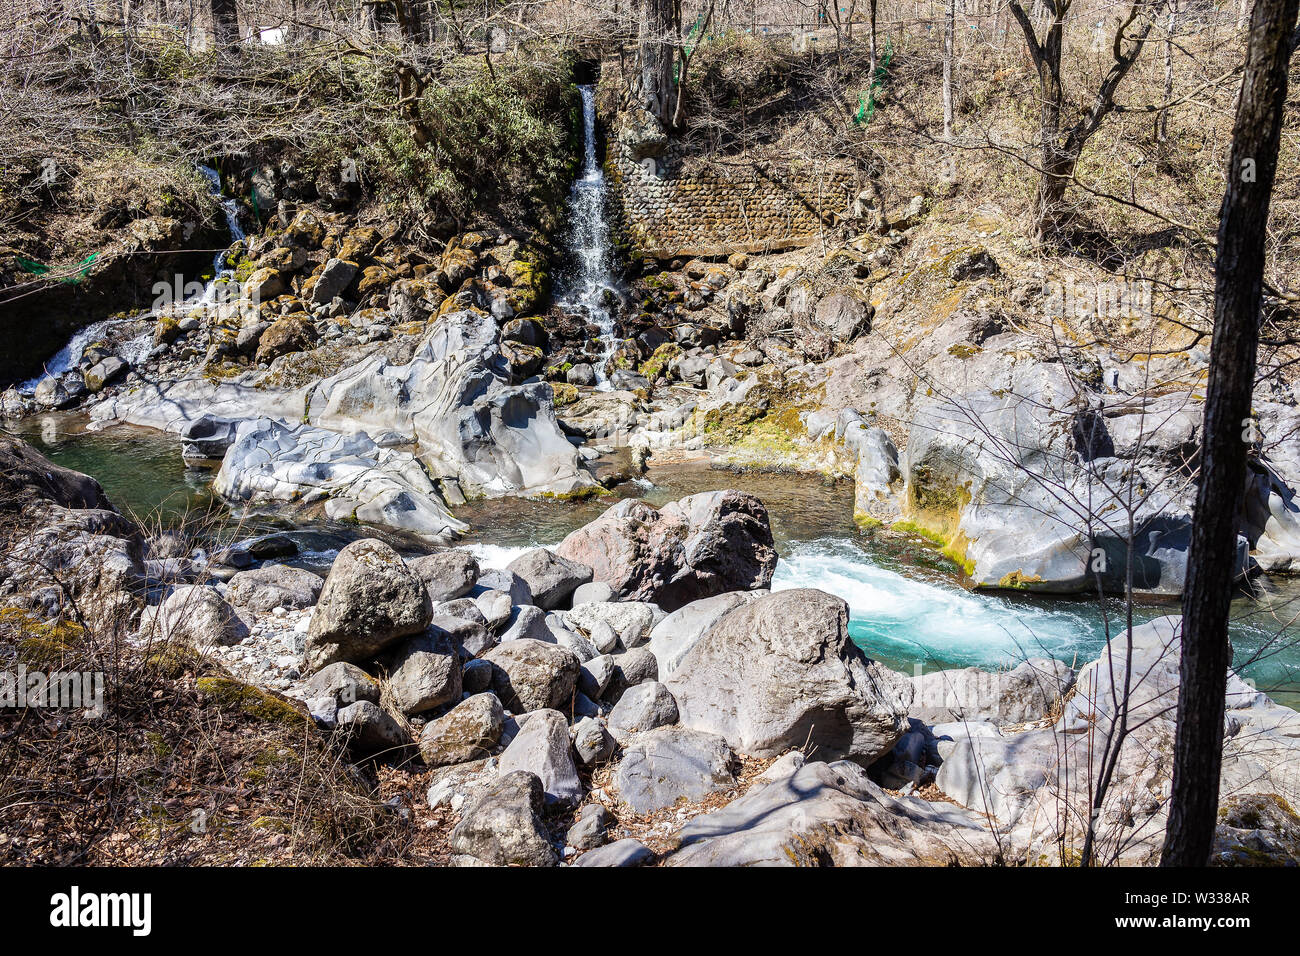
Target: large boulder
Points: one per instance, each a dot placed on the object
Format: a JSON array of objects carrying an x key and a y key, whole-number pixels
[
  {"x": 424, "y": 671},
  {"x": 505, "y": 827},
  {"x": 671, "y": 764},
  {"x": 533, "y": 675},
  {"x": 356, "y": 479},
  {"x": 469, "y": 731},
  {"x": 455, "y": 397},
  {"x": 542, "y": 747},
  {"x": 551, "y": 578},
  {"x": 198, "y": 615},
  {"x": 370, "y": 600},
  {"x": 833, "y": 815},
  {"x": 699, "y": 546},
  {"x": 447, "y": 574},
  {"x": 780, "y": 672},
  {"x": 274, "y": 585}
]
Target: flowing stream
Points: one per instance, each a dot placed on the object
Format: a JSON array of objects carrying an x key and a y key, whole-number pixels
[
  {"x": 132, "y": 337},
  {"x": 589, "y": 287},
  {"x": 907, "y": 607}
]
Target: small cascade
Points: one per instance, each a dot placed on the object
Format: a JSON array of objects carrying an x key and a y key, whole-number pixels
[
  {"x": 590, "y": 288},
  {"x": 135, "y": 349}
]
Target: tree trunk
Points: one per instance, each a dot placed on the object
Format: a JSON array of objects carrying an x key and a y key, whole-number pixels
[
  {"x": 225, "y": 24},
  {"x": 657, "y": 49},
  {"x": 1228, "y": 435},
  {"x": 874, "y": 59},
  {"x": 1162, "y": 122},
  {"x": 949, "y": 25}
]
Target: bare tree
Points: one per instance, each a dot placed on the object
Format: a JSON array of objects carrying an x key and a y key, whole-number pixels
[
  {"x": 1228, "y": 436},
  {"x": 225, "y": 23},
  {"x": 1062, "y": 144}
]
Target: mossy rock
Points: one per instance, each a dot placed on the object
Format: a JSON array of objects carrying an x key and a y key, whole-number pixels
[
  {"x": 232, "y": 695},
  {"x": 564, "y": 394},
  {"x": 658, "y": 362}
]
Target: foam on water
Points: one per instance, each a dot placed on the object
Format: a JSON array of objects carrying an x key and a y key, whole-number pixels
[
  {"x": 499, "y": 555},
  {"x": 905, "y": 621}
]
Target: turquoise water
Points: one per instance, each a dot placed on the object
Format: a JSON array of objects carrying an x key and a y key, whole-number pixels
[{"x": 908, "y": 608}]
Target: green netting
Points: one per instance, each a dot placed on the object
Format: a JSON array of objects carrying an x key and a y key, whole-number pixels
[
  {"x": 39, "y": 269},
  {"x": 689, "y": 48},
  {"x": 867, "y": 100}
]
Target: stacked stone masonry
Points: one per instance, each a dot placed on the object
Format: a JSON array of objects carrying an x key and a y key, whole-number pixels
[{"x": 659, "y": 214}]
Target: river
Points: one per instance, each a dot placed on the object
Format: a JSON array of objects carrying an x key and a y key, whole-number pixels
[{"x": 908, "y": 607}]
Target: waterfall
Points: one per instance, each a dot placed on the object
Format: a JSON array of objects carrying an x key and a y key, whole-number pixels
[
  {"x": 587, "y": 288},
  {"x": 136, "y": 349}
]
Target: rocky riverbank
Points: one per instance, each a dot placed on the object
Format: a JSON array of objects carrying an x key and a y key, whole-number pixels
[{"x": 638, "y": 696}]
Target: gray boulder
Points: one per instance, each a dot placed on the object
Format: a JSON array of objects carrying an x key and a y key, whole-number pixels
[
  {"x": 642, "y": 708},
  {"x": 505, "y": 827},
  {"x": 527, "y": 623},
  {"x": 590, "y": 829},
  {"x": 630, "y": 669},
  {"x": 447, "y": 574},
  {"x": 542, "y": 748},
  {"x": 627, "y": 852},
  {"x": 531, "y": 675},
  {"x": 469, "y": 731},
  {"x": 198, "y": 615},
  {"x": 496, "y": 608},
  {"x": 780, "y": 672},
  {"x": 594, "y": 591},
  {"x": 424, "y": 672},
  {"x": 274, "y": 585},
  {"x": 592, "y": 742},
  {"x": 498, "y": 579},
  {"x": 332, "y": 280},
  {"x": 370, "y": 600},
  {"x": 690, "y": 549},
  {"x": 551, "y": 578},
  {"x": 671, "y": 763},
  {"x": 371, "y": 731},
  {"x": 343, "y": 682}
]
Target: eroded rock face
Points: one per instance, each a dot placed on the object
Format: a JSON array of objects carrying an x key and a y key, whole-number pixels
[
  {"x": 370, "y": 600},
  {"x": 780, "y": 672},
  {"x": 455, "y": 398},
  {"x": 832, "y": 815},
  {"x": 270, "y": 461},
  {"x": 699, "y": 546},
  {"x": 1039, "y": 782}
]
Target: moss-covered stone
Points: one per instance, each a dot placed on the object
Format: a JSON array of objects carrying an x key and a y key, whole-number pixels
[{"x": 232, "y": 695}]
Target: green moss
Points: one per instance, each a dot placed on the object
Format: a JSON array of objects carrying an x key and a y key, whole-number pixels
[
  {"x": 963, "y": 350},
  {"x": 657, "y": 363},
  {"x": 230, "y": 694}
]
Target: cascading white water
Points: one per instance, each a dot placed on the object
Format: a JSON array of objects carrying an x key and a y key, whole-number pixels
[
  {"x": 588, "y": 289},
  {"x": 134, "y": 350}
]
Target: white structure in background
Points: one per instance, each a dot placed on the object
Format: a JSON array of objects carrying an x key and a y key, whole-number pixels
[{"x": 267, "y": 36}]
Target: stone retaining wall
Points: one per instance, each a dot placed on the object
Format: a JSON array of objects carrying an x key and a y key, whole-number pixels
[{"x": 664, "y": 215}]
